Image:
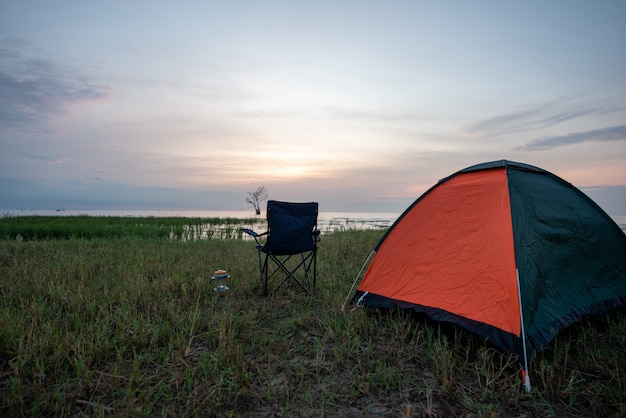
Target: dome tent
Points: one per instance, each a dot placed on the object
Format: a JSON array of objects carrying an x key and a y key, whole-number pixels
[{"x": 505, "y": 250}]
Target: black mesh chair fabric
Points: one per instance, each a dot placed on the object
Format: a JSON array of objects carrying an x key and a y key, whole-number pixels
[{"x": 291, "y": 246}]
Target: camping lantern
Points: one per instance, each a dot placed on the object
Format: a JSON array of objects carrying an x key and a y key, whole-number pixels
[{"x": 220, "y": 277}]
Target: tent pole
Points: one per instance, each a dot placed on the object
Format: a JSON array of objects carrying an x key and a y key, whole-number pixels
[
  {"x": 355, "y": 280},
  {"x": 525, "y": 374}
]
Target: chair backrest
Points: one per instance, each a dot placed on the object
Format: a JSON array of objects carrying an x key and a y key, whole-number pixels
[{"x": 291, "y": 226}]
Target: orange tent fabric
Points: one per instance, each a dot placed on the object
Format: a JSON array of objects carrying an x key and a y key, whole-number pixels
[{"x": 462, "y": 260}]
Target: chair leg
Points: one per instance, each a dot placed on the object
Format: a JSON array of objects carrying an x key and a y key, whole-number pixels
[
  {"x": 311, "y": 259},
  {"x": 262, "y": 270},
  {"x": 290, "y": 274},
  {"x": 314, "y": 269},
  {"x": 281, "y": 265}
]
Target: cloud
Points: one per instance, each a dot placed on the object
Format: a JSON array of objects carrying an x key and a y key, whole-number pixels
[
  {"x": 614, "y": 133},
  {"x": 533, "y": 118},
  {"x": 34, "y": 88},
  {"x": 22, "y": 193},
  {"x": 45, "y": 158}
]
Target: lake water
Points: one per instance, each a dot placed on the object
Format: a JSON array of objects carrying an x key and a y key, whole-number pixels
[{"x": 327, "y": 221}]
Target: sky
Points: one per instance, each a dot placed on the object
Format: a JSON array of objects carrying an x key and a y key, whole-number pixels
[{"x": 359, "y": 105}]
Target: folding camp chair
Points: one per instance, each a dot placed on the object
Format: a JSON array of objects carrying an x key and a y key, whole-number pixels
[{"x": 291, "y": 244}]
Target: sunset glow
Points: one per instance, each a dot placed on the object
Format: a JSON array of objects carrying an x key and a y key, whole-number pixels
[{"x": 361, "y": 106}]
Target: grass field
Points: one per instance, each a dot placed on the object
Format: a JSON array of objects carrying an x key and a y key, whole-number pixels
[{"x": 127, "y": 324}]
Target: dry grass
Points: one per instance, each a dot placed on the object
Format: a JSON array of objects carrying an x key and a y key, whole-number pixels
[{"x": 131, "y": 327}]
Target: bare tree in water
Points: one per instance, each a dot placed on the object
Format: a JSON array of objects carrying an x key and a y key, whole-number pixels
[{"x": 255, "y": 198}]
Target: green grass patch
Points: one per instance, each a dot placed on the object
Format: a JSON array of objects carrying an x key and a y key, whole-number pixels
[
  {"x": 128, "y": 325},
  {"x": 30, "y": 228}
]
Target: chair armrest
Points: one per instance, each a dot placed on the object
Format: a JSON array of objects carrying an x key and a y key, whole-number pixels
[
  {"x": 252, "y": 233},
  {"x": 316, "y": 235},
  {"x": 249, "y": 232}
]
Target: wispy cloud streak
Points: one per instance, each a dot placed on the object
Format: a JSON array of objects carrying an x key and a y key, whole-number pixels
[
  {"x": 33, "y": 89},
  {"x": 533, "y": 118},
  {"x": 613, "y": 133}
]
